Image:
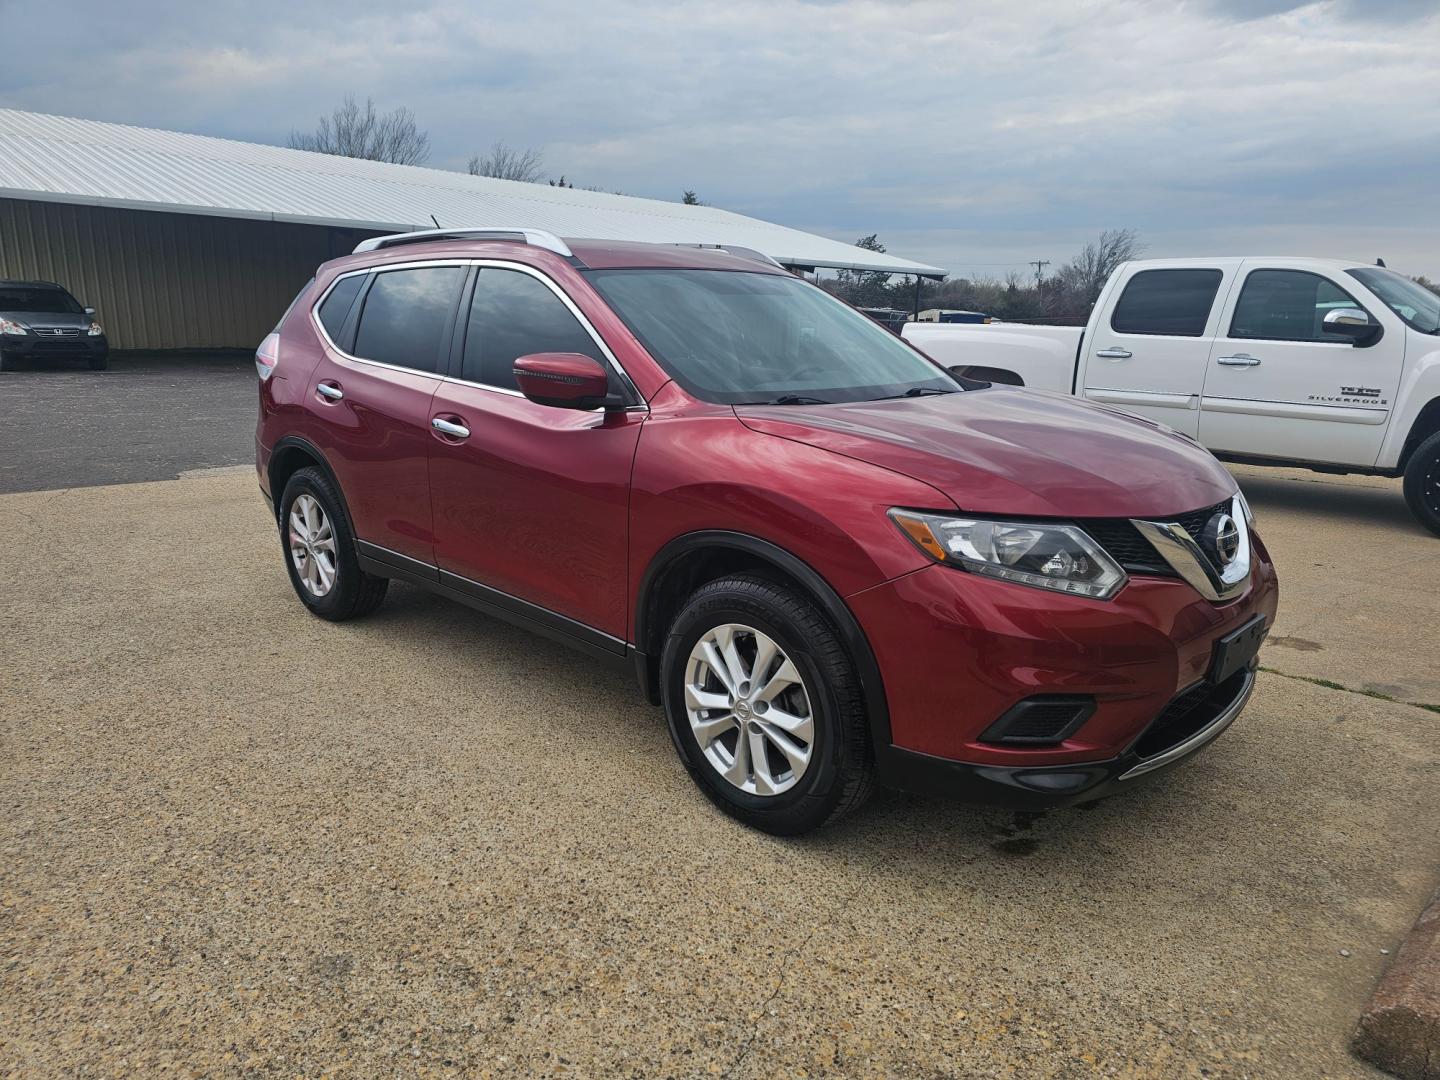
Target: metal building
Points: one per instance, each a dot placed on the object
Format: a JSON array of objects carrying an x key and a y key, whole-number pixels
[{"x": 188, "y": 241}]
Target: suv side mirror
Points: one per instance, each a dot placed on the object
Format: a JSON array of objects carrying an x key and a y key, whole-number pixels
[
  {"x": 562, "y": 380},
  {"x": 90, "y": 311},
  {"x": 1352, "y": 323}
]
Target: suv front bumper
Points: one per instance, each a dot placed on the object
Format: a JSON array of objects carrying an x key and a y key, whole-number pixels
[
  {"x": 80, "y": 347},
  {"x": 956, "y": 652},
  {"x": 1049, "y": 787}
]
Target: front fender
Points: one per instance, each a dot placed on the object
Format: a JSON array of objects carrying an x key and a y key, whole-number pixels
[
  {"x": 709, "y": 472},
  {"x": 1419, "y": 386}
]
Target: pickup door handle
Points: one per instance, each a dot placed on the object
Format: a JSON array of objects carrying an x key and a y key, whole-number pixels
[
  {"x": 1114, "y": 354},
  {"x": 329, "y": 390},
  {"x": 458, "y": 431},
  {"x": 1238, "y": 360}
]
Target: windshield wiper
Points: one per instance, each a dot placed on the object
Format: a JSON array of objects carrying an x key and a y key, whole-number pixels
[
  {"x": 795, "y": 399},
  {"x": 918, "y": 391}
]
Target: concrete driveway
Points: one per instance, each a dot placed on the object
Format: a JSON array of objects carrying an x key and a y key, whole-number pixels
[{"x": 238, "y": 841}]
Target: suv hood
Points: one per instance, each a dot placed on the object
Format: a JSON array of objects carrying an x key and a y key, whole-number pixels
[
  {"x": 49, "y": 320},
  {"x": 1027, "y": 453}
]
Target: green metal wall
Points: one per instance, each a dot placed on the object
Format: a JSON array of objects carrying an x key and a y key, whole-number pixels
[{"x": 167, "y": 281}]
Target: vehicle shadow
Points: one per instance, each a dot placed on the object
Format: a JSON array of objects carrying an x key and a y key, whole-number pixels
[
  {"x": 904, "y": 836},
  {"x": 1375, "y": 504}
]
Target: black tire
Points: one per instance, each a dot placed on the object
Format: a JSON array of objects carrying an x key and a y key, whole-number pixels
[
  {"x": 99, "y": 363},
  {"x": 840, "y": 773},
  {"x": 353, "y": 592},
  {"x": 1422, "y": 483},
  {"x": 7, "y": 363}
]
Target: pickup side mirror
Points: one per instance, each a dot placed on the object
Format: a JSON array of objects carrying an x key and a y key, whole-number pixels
[
  {"x": 1352, "y": 323},
  {"x": 563, "y": 380}
]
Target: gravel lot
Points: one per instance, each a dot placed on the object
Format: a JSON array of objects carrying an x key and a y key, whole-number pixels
[{"x": 238, "y": 841}]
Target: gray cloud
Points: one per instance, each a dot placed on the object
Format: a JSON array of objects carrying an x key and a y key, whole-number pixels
[
  {"x": 964, "y": 134},
  {"x": 1358, "y": 10}
]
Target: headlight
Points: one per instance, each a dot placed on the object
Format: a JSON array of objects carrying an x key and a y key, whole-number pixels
[
  {"x": 95, "y": 329},
  {"x": 1047, "y": 556},
  {"x": 10, "y": 326}
]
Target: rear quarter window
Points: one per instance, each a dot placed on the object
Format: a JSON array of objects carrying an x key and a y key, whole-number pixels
[
  {"x": 1173, "y": 303},
  {"x": 336, "y": 306}
]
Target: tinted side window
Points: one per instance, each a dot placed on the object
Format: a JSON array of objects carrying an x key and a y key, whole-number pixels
[
  {"x": 512, "y": 315},
  {"x": 405, "y": 315},
  {"x": 1175, "y": 302},
  {"x": 1287, "y": 305},
  {"x": 337, "y": 305}
]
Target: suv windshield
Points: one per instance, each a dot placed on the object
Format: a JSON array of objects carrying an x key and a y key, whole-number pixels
[
  {"x": 749, "y": 338},
  {"x": 37, "y": 298},
  {"x": 1414, "y": 303}
]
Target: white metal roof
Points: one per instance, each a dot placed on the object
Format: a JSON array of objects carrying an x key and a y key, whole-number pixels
[{"x": 60, "y": 159}]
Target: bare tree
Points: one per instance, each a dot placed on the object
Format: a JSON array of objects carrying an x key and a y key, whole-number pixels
[
  {"x": 502, "y": 163},
  {"x": 357, "y": 131},
  {"x": 1086, "y": 274}
]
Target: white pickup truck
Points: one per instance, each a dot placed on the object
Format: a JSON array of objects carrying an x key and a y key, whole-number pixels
[{"x": 1323, "y": 363}]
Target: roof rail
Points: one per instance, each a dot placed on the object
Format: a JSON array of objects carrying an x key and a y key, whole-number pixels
[
  {"x": 732, "y": 249},
  {"x": 535, "y": 237}
]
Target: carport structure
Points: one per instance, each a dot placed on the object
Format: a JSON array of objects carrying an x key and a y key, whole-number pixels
[{"x": 189, "y": 241}]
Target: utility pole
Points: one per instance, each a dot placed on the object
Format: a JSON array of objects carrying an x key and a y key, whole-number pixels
[{"x": 1039, "y": 265}]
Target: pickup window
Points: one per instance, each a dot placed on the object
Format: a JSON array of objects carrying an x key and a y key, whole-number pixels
[
  {"x": 1288, "y": 305},
  {"x": 1414, "y": 303},
  {"x": 1170, "y": 302}
]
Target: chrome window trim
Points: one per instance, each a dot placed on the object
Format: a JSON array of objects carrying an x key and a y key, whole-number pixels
[
  {"x": 1180, "y": 550},
  {"x": 500, "y": 264}
]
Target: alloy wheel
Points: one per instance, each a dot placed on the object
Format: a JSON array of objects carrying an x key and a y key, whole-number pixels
[
  {"x": 749, "y": 709},
  {"x": 312, "y": 545}
]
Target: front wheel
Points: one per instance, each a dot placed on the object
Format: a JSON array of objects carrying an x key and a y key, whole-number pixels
[
  {"x": 765, "y": 705},
  {"x": 320, "y": 551},
  {"x": 99, "y": 363},
  {"x": 1422, "y": 483}
]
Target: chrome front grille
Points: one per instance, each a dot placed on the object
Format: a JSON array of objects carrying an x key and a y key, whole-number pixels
[{"x": 1179, "y": 546}]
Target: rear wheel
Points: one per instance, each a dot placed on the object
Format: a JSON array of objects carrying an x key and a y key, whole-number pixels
[
  {"x": 1422, "y": 483},
  {"x": 765, "y": 706},
  {"x": 320, "y": 551}
]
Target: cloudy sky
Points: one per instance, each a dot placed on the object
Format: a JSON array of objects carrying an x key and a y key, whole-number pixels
[{"x": 975, "y": 136}]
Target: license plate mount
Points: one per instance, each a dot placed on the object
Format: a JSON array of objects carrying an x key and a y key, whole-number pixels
[{"x": 1237, "y": 649}]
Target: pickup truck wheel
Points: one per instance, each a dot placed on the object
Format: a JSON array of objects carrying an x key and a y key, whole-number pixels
[
  {"x": 765, "y": 706},
  {"x": 320, "y": 551},
  {"x": 1422, "y": 483}
]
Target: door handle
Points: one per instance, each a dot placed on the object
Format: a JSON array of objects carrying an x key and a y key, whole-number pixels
[
  {"x": 329, "y": 390},
  {"x": 1238, "y": 360},
  {"x": 1114, "y": 354},
  {"x": 458, "y": 431}
]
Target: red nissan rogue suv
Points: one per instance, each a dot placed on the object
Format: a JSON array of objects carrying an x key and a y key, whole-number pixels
[{"x": 831, "y": 561}]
